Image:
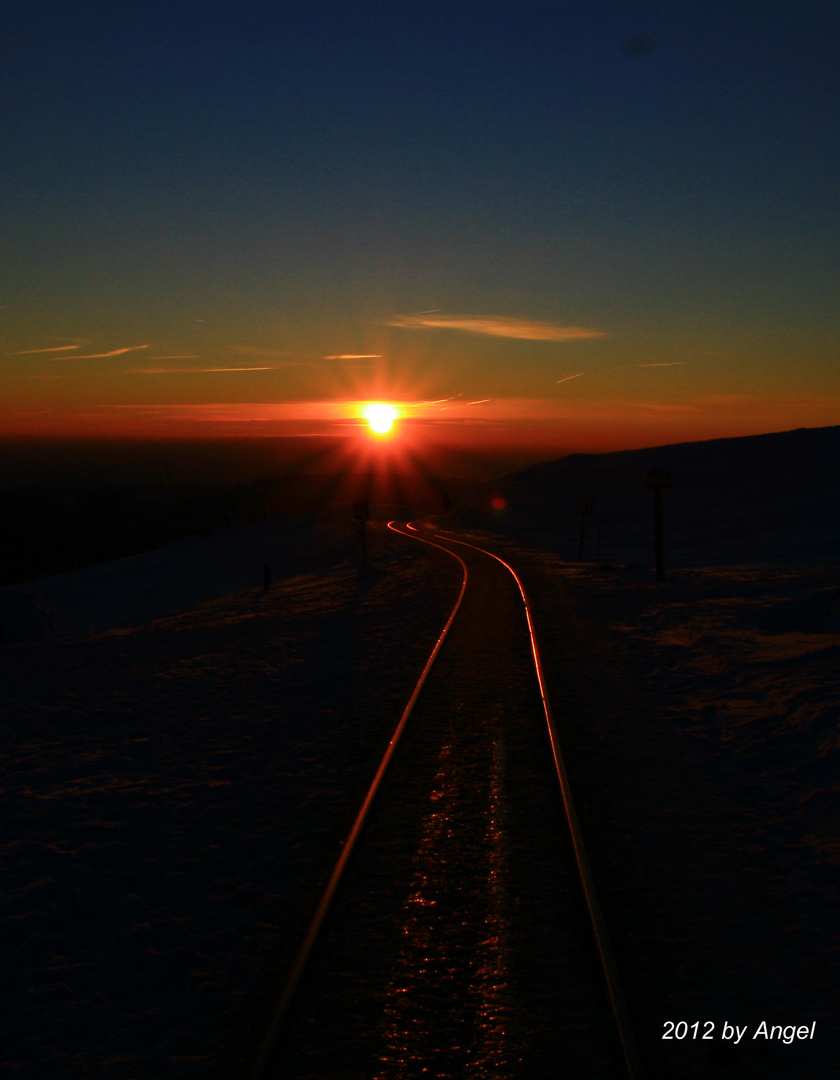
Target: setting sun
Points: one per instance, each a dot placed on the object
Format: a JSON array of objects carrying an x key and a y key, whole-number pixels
[{"x": 380, "y": 416}]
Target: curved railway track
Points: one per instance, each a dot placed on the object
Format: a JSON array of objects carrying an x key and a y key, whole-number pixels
[{"x": 460, "y": 946}]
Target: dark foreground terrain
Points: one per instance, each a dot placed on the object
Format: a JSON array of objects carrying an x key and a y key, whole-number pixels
[{"x": 175, "y": 790}]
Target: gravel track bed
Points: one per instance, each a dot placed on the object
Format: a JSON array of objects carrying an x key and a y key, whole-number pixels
[{"x": 460, "y": 945}]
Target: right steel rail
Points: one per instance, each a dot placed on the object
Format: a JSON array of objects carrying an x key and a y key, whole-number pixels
[{"x": 599, "y": 926}]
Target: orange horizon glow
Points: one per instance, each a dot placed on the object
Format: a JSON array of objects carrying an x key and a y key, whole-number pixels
[{"x": 583, "y": 425}]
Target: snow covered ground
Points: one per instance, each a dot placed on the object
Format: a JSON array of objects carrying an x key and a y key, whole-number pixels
[
  {"x": 702, "y": 724},
  {"x": 702, "y": 715},
  {"x": 180, "y": 764},
  {"x": 760, "y": 498},
  {"x": 132, "y": 591}
]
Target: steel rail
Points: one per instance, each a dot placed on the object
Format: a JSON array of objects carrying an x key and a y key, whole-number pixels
[
  {"x": 305, "y": 951},
  {"x": 599, "y": 927}
]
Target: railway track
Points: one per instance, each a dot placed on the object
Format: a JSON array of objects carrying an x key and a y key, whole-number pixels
[{"x": 460, "y": 933}]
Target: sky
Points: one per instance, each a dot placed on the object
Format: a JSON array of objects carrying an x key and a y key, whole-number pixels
[{"x": 584, "y": 225}]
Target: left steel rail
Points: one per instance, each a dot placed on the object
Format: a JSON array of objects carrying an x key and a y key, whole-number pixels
[{"x": 311, "y": 936}]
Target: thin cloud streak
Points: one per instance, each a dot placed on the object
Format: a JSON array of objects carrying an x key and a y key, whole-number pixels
[
  {"x": 55, "y": 348},
  {"x": 495, "y": 326},
  {"x": 569, "y": 377},
  {"x": 193, "y": 370},
  {"x": 114, "y": 352},
  {"x": 241, "y": 411},
  {"x": 670, "y": 363},
  {"x": 354, "y": 356}
]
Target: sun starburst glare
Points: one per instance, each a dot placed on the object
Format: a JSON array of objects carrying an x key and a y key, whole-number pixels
[{"x": 380, "y": 416}]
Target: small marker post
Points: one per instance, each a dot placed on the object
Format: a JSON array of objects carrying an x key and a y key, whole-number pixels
[
  {"x": 361, "y": 512},
  {"x": 585, "y": 506},
  {"x": 658, "y": 480}
]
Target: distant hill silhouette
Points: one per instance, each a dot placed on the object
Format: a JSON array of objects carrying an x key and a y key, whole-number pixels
[
  {"x": 65, "y": 504},
  {"x": 756, "y": 498}
]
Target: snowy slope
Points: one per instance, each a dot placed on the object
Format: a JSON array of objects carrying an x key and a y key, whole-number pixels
[
  {"x": 132, "y": 591},
  {"x": 768, "y": 498}
]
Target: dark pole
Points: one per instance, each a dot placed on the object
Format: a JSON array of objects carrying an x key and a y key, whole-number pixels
[
  {"x": 658, "y": 533},
  {"x": 657, "y": 480},
  {"x": 361, "y": 511},
  {"x": 584, "y": 509}
]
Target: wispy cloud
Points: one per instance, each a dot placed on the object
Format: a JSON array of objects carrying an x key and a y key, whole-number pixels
[
  {"x": 438, "y": 401},
  {"x": 495, "y": 326},
  {"x": 354, "y": 356},
  {"x": 194, "y": 370},
  {"x": 244, "y": 411},
  {"x": 113, "y": 352},
  {"x": 177, "y": 356},
  {"x": 481, "y": 401},
  {"x": 55, "y": 348},
  {"x": 569, "y": 377},
  {"x": 635, "y": 367}
]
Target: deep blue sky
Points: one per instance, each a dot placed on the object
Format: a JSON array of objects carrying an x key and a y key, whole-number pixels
[{"x": 224, "y": 182}]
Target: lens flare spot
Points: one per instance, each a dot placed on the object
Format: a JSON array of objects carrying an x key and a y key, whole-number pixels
[
  {"x": 380, "y": 416},
  {"x": 498, "y": 502}
]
